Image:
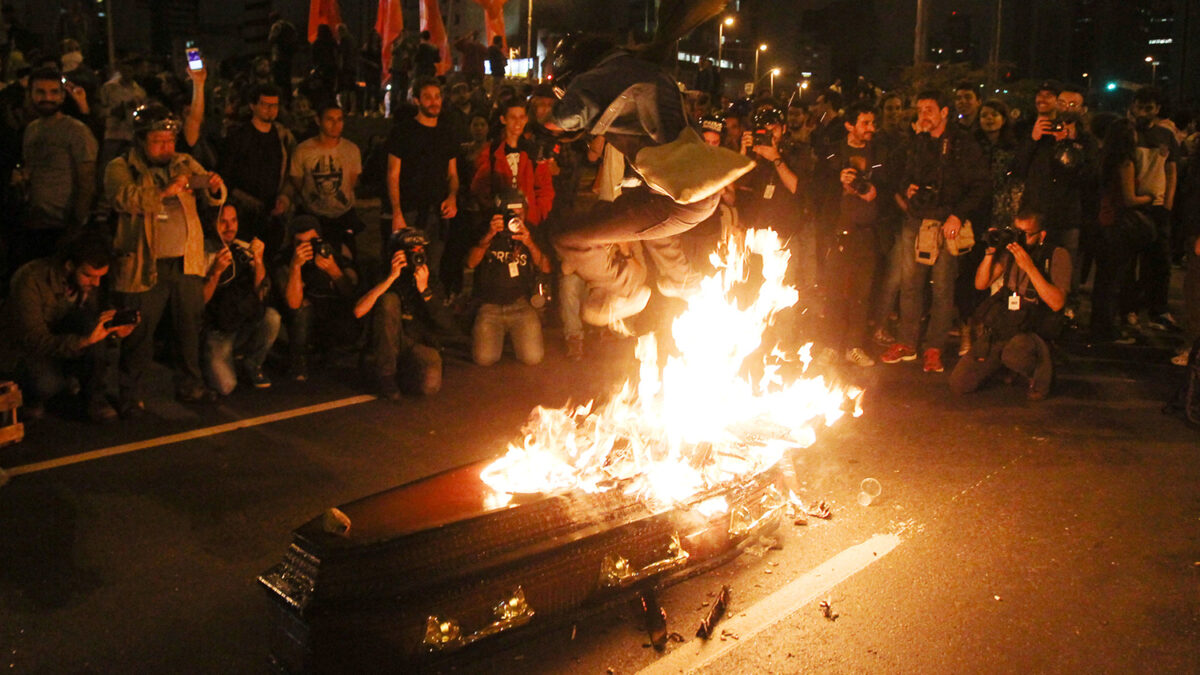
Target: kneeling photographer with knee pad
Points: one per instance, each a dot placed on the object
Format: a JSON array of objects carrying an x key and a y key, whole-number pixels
[{"x": 1013, "y": 327}]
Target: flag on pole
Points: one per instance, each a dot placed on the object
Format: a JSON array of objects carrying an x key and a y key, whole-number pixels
[
  {"x": 322, "y": 12},
  {"x": 493, "y": 19},
  {"x": 431, "y": 20},
  {"x": 389, "y": 23}
]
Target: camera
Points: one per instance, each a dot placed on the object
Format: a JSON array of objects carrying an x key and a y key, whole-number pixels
[
  {"x": 512, "y": 222},
  {"x": 241, "y": 253},
  {"x": 413, "y": 243},
  {"x": 1001, "y": 237},
  {"x": 925, "y": 197},
  {"x": 762, "y": 120},
  {"x": 862, "y": 181},
  {"x": 321, "y": 247}
]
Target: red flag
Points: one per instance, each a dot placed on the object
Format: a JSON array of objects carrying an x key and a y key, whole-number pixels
[
  {"x": 389, "y": 23},
  {"x": 493, "y": 19},
  {"x": 322, "y": 12},
  {"x": 431, "y": 20}
]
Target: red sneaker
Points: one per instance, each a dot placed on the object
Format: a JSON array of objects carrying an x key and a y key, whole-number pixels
[
  {"x": 933, "y": 360},
  {"x": 899, "y": 352}
]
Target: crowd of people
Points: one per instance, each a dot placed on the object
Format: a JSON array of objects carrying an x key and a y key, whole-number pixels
[{"x": 232, "y": 205}]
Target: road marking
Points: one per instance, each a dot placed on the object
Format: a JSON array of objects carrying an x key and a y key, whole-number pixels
[
  {"x": 185, "y": 436},
  {"x": 776, "y": 607}
]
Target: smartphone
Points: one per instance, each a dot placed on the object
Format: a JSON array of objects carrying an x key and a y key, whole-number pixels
[
  {"x": 124, "y": 317},
  {"x": 193, "y": 56},
  {"x": 198, "y": 181}
]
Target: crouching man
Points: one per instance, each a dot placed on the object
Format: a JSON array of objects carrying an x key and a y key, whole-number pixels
[
  {"x": 508, "y": 261},
  {"x": 1014, "y": 326},
  {"x": 57, "y": 325},
  {"x": 407, "y": 316},
  {"x": 238, "y": 323}
]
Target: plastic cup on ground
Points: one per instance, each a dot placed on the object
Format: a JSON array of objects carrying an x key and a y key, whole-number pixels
[{"x": 869, "y": 491}]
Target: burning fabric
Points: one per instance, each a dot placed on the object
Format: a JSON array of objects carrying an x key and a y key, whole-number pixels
[{"x": 700, "y": 421}]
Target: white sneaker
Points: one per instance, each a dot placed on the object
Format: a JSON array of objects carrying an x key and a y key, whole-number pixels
[
  {"x": 859, "y": 358},
  {"x": 1181, "y": 359}
]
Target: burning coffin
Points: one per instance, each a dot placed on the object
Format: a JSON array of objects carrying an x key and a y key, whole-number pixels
[
  {"x": 670, "y": 474},
  {"x": 436, "y": 565}
]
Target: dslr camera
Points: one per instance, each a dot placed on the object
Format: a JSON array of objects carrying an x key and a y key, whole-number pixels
[
  {"x": 241, "y": 253},
  {"x": 1001, "y": 237},
  {"x": 414, "y": 245},
  {"x": 924, "y": 198},
  {"x": 762, "y": 119},
  {"x": 507, "y": 204},
  {"x": 321, "y": 247},
  {"x": 1056, "y": 125},
  {"x": 862, "y": 180}
]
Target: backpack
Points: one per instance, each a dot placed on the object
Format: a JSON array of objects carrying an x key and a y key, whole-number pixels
[{"x": 1185, "y": 402}]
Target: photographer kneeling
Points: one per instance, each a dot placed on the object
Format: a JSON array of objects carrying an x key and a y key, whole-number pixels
[
  {"x": 1014, "y": 326},
  {"x": 407, "y": 313},
  {"x": 508, "y": 262}
]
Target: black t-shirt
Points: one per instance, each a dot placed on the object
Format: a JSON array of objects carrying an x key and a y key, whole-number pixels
[
  {"x": 506, "y": 273},
  {"x": 424, "y": 153},
  {"x": 855, "y": 212},
  {"x": 253, "y": 163}
]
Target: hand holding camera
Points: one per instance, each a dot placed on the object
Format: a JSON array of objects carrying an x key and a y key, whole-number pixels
[
  {"x": 399, "y": 262},
  {"x": 1049, "y": 127},
  {"x": 302, "y": 253}
]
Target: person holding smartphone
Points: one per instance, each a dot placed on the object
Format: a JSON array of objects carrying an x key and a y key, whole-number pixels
[
  {"x": 57, "y": 324},
  {"x": 159, "y": 246}
]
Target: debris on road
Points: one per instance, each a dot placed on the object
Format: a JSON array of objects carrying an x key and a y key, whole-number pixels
[
  {"x": 656, "y": 619},
  {"x": 827, "y": 609},
  {"x": 819, "y": 510},
  {"x": 705, "y": 630}
]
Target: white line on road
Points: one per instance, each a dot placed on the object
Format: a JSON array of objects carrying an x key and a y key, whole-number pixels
[
  {"x": 776, "y": 607},
  {"x": 186, "y": 436}
]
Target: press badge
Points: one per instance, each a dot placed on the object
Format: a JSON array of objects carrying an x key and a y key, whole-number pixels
[
  {"x": 514, "y": 271},
  {"x": 1014, "y": 302},
  {"x": 769, "y": 191}
]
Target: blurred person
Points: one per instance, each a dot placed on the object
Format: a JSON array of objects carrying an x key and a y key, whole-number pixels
[
  {"x": 892, "y": 136},
  {"x": 1120, "y": 205},
  {"x": 944, "y": 179},
  {"x": 119, "y": 97},
  {"x": 473, "y": 56},
  {"x": 506, "y": 260},
  {"x": 497, "y": 61},
  {"x": 422, "y": 174},
  {"x": 58, "y": 177},
  {"x": 254, "y": 160},
  {"x": 708, "y": 79},
  {"x": 239, "y": 326},
  {"x": 767, "y": 195},
  {"x": 966, "y": 105},
  {"x": 282, "y": 40},
  {"x": 1157, "y": 169},
  {"x": 58, "y": 324},
  {"x": 408, "y": 314},
  {"x": 426, "y": 59},
  {"x": 159, "y": 248},
  {"x": 347, "y": 78},
  {"x": 457, "y": 114},
  {"x": 323, "y": 172},
  {"x": 316, "y": 282},
  {"x": 322, "y": 80},
  {"x": 1021, "y": 320}
]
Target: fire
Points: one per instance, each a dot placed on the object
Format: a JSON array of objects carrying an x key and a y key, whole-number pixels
[{"x": 699, "y": 421}]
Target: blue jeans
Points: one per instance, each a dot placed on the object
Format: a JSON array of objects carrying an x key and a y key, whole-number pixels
[
  {"x": 893, "y": 276},
  {"x": 252, "y": 342},
  {"x": 520, "y": 320},
  {"x": 571, "y": 291},
  {"x": 914, "y": 277}
]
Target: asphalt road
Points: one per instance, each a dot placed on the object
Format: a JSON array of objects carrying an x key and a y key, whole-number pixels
[{"x": 1061, "y": 536}]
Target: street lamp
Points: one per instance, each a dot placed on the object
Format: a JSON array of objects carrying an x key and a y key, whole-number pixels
[
  {"x": 721, "y": 38},
  {"x": 1153, "y": 68},
  {"x": 774, "y": 72},
  {"x": 761, "y": 48}
]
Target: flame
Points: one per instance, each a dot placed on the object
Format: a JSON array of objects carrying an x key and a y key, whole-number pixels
[{"x": 698, "y": 422}]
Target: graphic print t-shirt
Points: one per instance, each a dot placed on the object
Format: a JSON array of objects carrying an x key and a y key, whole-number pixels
[{"x": 324, "y": 175}]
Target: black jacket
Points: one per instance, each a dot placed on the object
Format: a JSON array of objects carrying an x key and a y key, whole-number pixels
[{"x": 954, "y": 165}]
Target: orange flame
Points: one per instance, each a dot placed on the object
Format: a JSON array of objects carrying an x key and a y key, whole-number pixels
[{"x": 698, "y": 422}]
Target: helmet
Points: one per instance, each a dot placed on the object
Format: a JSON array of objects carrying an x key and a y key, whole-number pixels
[
  {"x": 574, "y": 54},
  {"x": 153, "y": 117}
]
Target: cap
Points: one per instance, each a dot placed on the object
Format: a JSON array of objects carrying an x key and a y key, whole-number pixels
[
  {"x": 303, "y": 223},
  {"x": 713, "y": 123},
  {"x": 1050, "y": 85}
]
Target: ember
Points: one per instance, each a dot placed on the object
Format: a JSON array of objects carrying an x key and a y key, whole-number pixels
[{"x": 700, "y": 421}]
